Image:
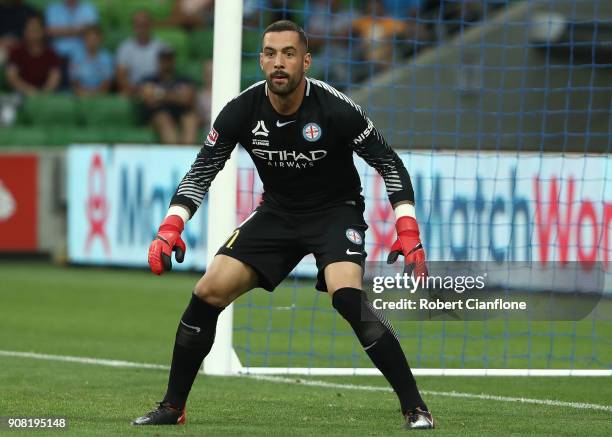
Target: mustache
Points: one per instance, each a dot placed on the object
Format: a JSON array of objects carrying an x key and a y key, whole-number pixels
[{"x": 279, "y": 74}]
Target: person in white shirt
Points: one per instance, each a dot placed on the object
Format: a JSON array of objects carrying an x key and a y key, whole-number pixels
[{"x": 137, "y": 56}]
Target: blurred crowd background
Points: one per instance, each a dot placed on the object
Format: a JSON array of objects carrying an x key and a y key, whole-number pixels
[{"x": 140, "y": 70}]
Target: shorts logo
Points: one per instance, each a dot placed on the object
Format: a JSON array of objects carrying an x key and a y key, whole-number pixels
[
  {"x": 354, "y": 236},
  {"x": 212, "y": 137},
  {"x": 311, "y": 132}
]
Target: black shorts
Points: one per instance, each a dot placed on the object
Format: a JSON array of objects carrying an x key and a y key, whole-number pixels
[
  {"x": 273, "y": 242},
  {"x": 176, "y": 112}
]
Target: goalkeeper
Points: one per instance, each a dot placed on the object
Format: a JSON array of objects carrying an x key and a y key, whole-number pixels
[{"x": 301, "y": 134}]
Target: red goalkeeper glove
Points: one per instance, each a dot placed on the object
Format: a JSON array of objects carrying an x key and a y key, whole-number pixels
[
  {"x": 408, "y": 243},
  {"x": 168, "y": 239}
]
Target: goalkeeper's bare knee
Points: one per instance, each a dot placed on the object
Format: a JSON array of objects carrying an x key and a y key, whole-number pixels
[
  {"x": 225, "y": 280},
  {"x": 212, "y": 292}
]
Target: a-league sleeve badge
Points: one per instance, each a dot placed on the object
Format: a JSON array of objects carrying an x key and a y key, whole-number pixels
[{"x": 211, "y": 138}]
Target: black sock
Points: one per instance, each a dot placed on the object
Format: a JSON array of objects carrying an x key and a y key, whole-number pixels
[
  {"x": 194, "y": 339},
  {"x": 380, "y": 343},
  {"x": 387, "y": 355}
]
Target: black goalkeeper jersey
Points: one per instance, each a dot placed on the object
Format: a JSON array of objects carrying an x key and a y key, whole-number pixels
[{"x": 305, "y": 160}]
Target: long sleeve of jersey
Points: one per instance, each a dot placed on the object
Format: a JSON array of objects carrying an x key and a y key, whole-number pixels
[
  {"x": 211, "y": 159},
  {"x": 370, "y": 145}
]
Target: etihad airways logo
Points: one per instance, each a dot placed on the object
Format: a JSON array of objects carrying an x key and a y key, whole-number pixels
[{"x": 290, "y": 159}]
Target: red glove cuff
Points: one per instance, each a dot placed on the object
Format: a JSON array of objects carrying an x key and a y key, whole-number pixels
[
  {"x": 172, "y": 223},
  {"x": 407, "y": 226}
]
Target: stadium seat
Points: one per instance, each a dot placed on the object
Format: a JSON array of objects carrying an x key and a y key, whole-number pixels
[
  {"x": 113, "y": 37},
  {"x": 201, "y": 44},
  {"x": 50, "y": 110},
  {"x": 133, "y": 135},
  {"x": 192, "y": 70},
  {"x": 251, "y": 72},
  {"x": 41, "y": 5},
  {"x": 120, "y": 12},
  {"x": 111, "y": 110},
  {"x": 298, "y": 15},
  {"x": 62, "y": 136},
  {"x": 251, "y": 40},
  {"x": 108, "y": 18},
  {"x": 22, "y": 136}
]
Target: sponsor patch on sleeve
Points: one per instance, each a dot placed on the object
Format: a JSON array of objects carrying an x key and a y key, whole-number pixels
[
  {"x": 211, "y": 138},
  {"x": 362, "y": 136}
]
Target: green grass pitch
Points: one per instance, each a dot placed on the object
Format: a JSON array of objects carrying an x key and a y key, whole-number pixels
[{"x": 132, "y": 316}]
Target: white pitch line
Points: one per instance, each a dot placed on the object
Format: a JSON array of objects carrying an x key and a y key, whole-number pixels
[
  {"x": 453, "y": 394},
  {"x": 308, "y": 382},
  {"x": 83, "y": 360}
]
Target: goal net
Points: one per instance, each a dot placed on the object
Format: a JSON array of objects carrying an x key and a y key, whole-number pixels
[{"x": 500, "y": 111}]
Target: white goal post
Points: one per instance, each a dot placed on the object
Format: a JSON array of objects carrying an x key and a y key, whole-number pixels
[{"x": 227, "y": 51}]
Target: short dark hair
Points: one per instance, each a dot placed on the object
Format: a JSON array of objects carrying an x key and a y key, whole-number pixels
[{"x": 287, "y": 25}]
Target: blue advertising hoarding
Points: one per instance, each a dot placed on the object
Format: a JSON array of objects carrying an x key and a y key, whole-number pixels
[{"x": 470, "y": 206}]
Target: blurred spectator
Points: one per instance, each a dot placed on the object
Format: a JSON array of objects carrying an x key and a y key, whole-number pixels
[
  {"x": 33, "y": 66},
  {"x": 385, "y": 38},
  {"x": 328, "y": 25},
  {"x": 327, "y": 19},
  {"x": 66, "y": 21},
  {"x": 190, "y": 14},
  {"x": 13, "y": 17},
  {"x": 169, "y": 102},
  {"x": 137, "y": 57},
  {"x": 378, "y": 32},
  {"x": 91, "y": 71},
  {"x": 204, "y": 103}
]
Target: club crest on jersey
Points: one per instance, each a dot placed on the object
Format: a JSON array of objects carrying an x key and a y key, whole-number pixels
[
  {"x": 311, "y": 132},
  {"x": 211, "y": 138},
  {"x": 354, "y": 236}
]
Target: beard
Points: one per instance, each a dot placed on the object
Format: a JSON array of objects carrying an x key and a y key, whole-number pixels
[{"x": 291, "y": 83}]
